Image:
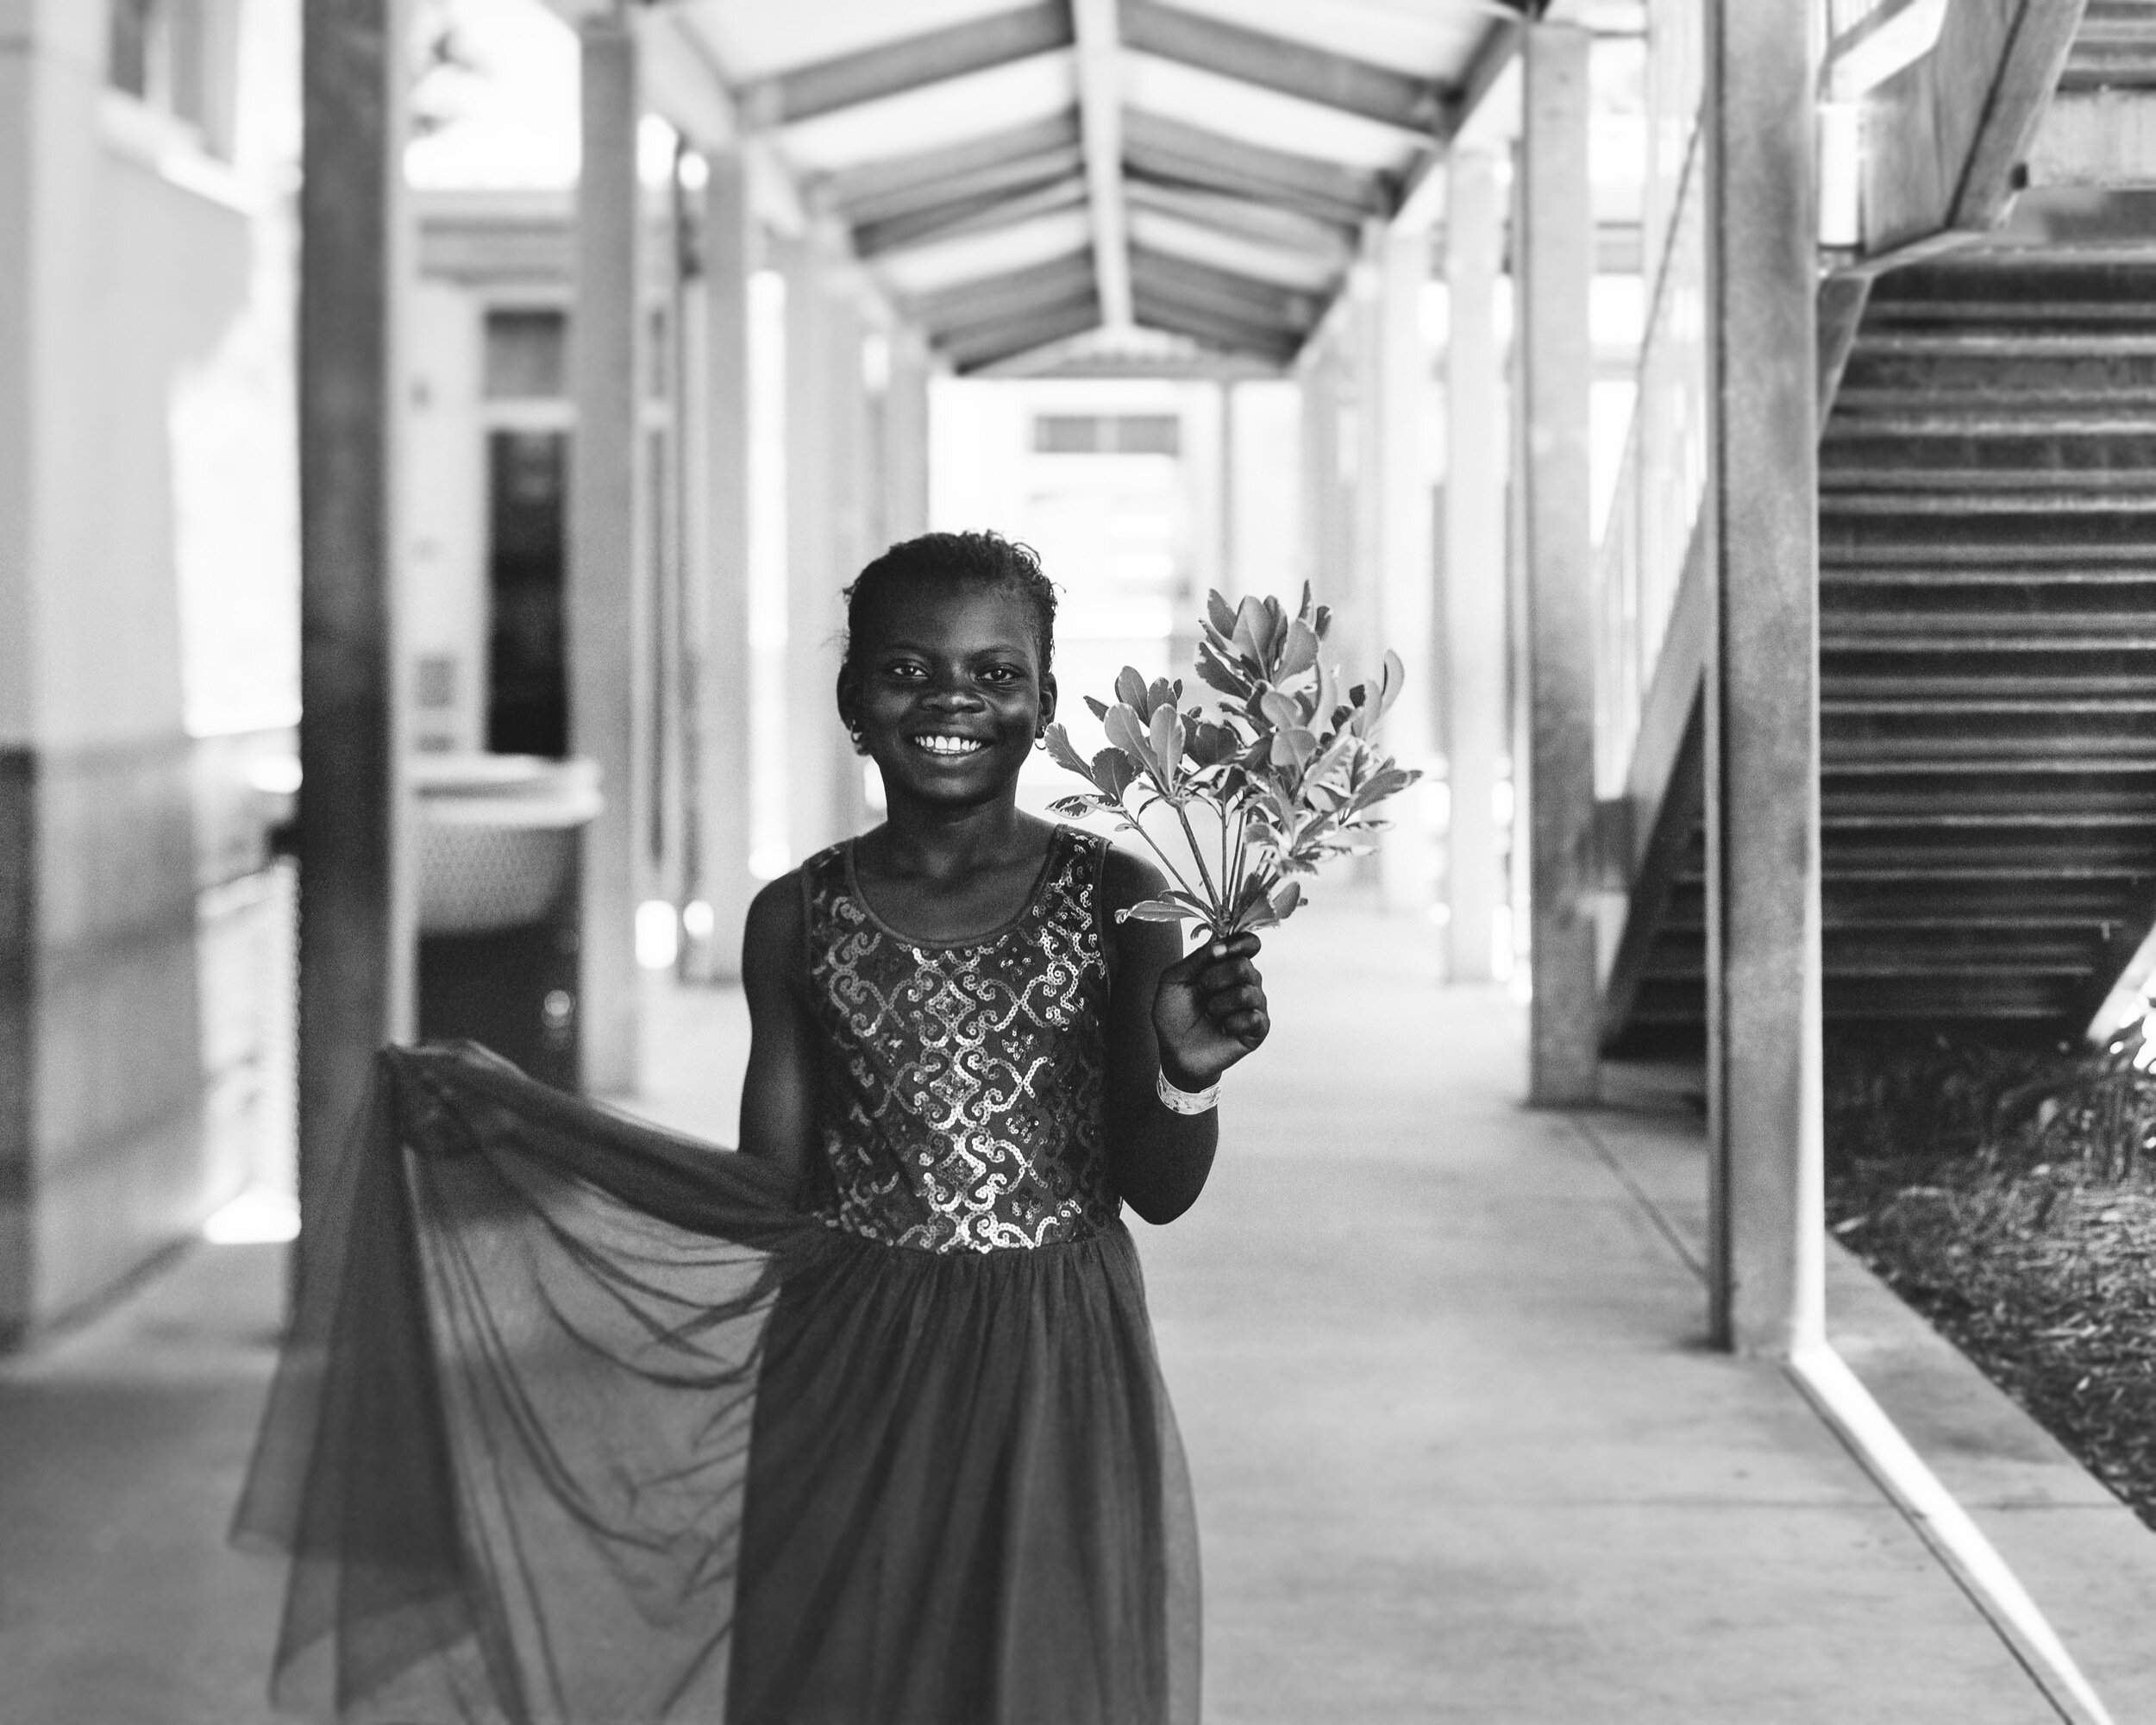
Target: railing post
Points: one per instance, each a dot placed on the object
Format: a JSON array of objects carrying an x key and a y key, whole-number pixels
[
  {"x": 1475, "y": 634},
  {"x": 1762, "y": 833},
  {"x": 1554, "y": 257}
]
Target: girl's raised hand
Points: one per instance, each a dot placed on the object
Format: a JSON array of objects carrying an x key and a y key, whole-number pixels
[{"x": 1209, "y": 1011}]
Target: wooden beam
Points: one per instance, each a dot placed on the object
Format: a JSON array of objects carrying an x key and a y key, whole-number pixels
[
  {"x": 891, "y": 68},
  {"x": 877, "y": 190},
  {"x": 1291, "y": 68},
  {"x": 973, "y": 302},
  {"x": 992, "y": 343},
  {"x": 1169, "y": 150},
  {"x": 1842, "y": 299},
  {"x": 969, "y": 216},
  {"x": 2027, "y": 80},
  {"x": 1215, "y": 333},
  {"x": 1100, "y": 124},
  {"x": 1201, "y": 285},
  {"x": 1246, "y": 218},
  {"x": 1424, "y": 183}
]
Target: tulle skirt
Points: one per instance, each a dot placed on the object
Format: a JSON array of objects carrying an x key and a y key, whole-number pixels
[{"x": 582, "y": 1423}]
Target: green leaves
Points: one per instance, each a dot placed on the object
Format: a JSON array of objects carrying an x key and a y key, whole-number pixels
[{"x": 1286, "y": 768}]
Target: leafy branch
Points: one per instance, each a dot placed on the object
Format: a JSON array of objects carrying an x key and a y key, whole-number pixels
[{"x": 1287, "y": 764}]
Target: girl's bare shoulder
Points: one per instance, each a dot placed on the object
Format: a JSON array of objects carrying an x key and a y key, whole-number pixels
[{"x": 1126, "y": 878}]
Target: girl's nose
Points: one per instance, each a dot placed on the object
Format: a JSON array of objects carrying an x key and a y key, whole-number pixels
[{"x": 955, "y": 696}]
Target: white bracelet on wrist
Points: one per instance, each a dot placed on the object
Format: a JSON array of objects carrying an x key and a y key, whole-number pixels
[{"x": 1179, "y": 1102}]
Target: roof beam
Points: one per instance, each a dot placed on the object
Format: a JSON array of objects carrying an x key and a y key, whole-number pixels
[
  {"x": 875, "y": 191},
  {"x": 1223, "y": 335},
  {"x": 1100, "y": 126},
  {"x": 891, "y": 68},
  {"x": 1169, "y": 150},
  {"x": 1264, "y": 223},
  {"x": 966, "y": 215},
  {"x": 1299, "y": 69},
  {"x": 1200, "y": 285},
  {"x": 987, "y": 344},
  {"x": 1014, "y": 292}
]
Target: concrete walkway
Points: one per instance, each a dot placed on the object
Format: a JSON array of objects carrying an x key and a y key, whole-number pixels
[{"x": 1459, "y": 1453}]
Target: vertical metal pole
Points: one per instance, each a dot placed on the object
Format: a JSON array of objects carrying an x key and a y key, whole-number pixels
[
  {"x": 609, "y": 657},
  {"x": 905, "y": 439},
  {"x": 722, "y": 704},
  {"x": 846, "y": 477},
  {"x": 357, "y": 949},
  {"x": 1763, "y": 836},
  {"x": 1555, "y": 266},
  {"x": 1477, "y": 642}
]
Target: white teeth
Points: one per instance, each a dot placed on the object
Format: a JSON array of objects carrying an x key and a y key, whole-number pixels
[{"x": 950, "y": 745}]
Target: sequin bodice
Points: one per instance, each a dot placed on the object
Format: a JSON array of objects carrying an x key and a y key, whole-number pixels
[{"x": 964, "y": 1110}]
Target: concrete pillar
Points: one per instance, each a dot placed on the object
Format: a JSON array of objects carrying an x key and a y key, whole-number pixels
[
  {"x": 817, "y": 751},
  {"x": 905, "y": 438},
  {"x": 1763, "y": 837},
  {"x": 357, "y": 940},
  {"x": 1475, "y": 638},
  {"x": 848, "y": 477},
  {"x": 608, "y": 607},
  {"x": 1554, "y": 265},
  {"x": 1406, "y": 568},
  {"x": 718, "y": 727}
]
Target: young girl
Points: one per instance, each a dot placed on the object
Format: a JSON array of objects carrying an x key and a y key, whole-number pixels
[{"x": 581, "y": 1422}]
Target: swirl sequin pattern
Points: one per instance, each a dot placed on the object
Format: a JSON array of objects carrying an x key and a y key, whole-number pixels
[{"x": 969, "y": 1116}]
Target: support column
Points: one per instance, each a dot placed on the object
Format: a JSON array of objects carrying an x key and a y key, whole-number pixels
[
  {"x": 357, "y": 944},
  {"x": 720, "y": 699},
  {"x": 1406, "y": 565},
  {"x": 608, "y": 608},
  {"x": 847, "y": 479},
  {"x": 1763, "y": 837},
  {"x": 1554, "y": 265},
  {"x": 1477, "y": 642},
  {"x": 906, "y": 438},
  {"x": 817, "y": 751}
]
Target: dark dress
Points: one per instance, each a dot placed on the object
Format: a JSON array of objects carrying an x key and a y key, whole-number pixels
[{"x": 584, "y": 1422}]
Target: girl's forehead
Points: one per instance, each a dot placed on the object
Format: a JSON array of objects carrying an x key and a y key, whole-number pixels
[{"x": 964, "y": 614}]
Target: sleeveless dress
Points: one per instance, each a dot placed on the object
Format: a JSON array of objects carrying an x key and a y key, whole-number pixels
[{"x": 581, "y": 1422}]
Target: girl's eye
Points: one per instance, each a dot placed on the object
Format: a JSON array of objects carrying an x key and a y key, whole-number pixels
[
  {"x": 1001, "y": 674},
  {"x": 905, "y": 670}
]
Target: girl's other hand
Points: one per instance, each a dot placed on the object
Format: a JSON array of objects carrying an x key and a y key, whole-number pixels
[{"x": 1209, "y": 1011}]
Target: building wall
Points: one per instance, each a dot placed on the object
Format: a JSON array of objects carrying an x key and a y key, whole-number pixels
[{"x": 130, "y": 308}]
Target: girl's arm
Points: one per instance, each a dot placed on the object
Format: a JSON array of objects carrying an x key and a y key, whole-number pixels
[
  {"x": 1191, "y": 1018},
  {"x": 778, "y": 1096}
]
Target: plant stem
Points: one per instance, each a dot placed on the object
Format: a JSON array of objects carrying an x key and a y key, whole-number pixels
[
  {"x": 1198, "y": 857},
  {"x": 1174, "y": 873}
]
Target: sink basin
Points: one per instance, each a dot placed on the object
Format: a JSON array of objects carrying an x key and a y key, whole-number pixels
[{"x": 498, "y": 837}]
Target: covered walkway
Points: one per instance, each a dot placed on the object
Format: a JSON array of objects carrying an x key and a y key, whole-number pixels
[{"x": 1461, "y": 1453}]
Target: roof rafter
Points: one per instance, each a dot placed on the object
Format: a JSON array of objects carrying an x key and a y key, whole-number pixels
[
  {"x": 1170, "y": 150},
  {"x": 891, "y": 68},
  {"x": 986, "y": 344},
  {"x": 902, "y": 184},
  {"x": 1254, "y": 302},
  {"x": 1030, "y": 289},
  {"x": 1100, "y": 126},
  {"x": 1291, "y": 68},
  {"x": 968, "y": 216}
]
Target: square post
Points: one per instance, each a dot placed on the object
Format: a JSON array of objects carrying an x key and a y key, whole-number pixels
[
  {"x": 1762, "y": 705},
  {"x": 358, "y": 946},
  {"x": 608, "y": 648},
  {"x": 1555, "y": 264},
  {"x": 719, "y": 611},
  {"x": 1477, "y": 638},
  {"x": 1406, "y": 568}
]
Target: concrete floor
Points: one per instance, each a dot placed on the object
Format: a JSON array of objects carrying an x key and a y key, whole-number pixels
[{"x": 1459, "y": 1453}]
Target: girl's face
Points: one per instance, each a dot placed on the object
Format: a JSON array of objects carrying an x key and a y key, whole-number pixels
[{"x": 951, "y": 696}]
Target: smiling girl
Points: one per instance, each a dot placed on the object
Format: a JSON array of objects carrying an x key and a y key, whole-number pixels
[{"x": 863, "y": 1425}]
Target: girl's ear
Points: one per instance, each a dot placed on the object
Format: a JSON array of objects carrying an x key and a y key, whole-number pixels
[
  {"x": 1048, "y": 698},
  {"x": 849, "y": 709}
]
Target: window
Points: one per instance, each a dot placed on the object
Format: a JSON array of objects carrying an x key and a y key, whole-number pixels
[
  {"x": 1107, "y": 434},
  {"x": 159, "y": 54},
  {"x": 527, "y": 355}
]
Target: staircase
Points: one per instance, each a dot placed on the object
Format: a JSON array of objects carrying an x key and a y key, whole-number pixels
[{"x": 1987, "y": 662}]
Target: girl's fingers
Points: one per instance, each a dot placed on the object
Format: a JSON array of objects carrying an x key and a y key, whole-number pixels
[{"x": 1226, "y": 1000}]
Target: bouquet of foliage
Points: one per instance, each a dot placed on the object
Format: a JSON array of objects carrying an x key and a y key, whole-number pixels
[{"x": 1285, "y": 769}]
